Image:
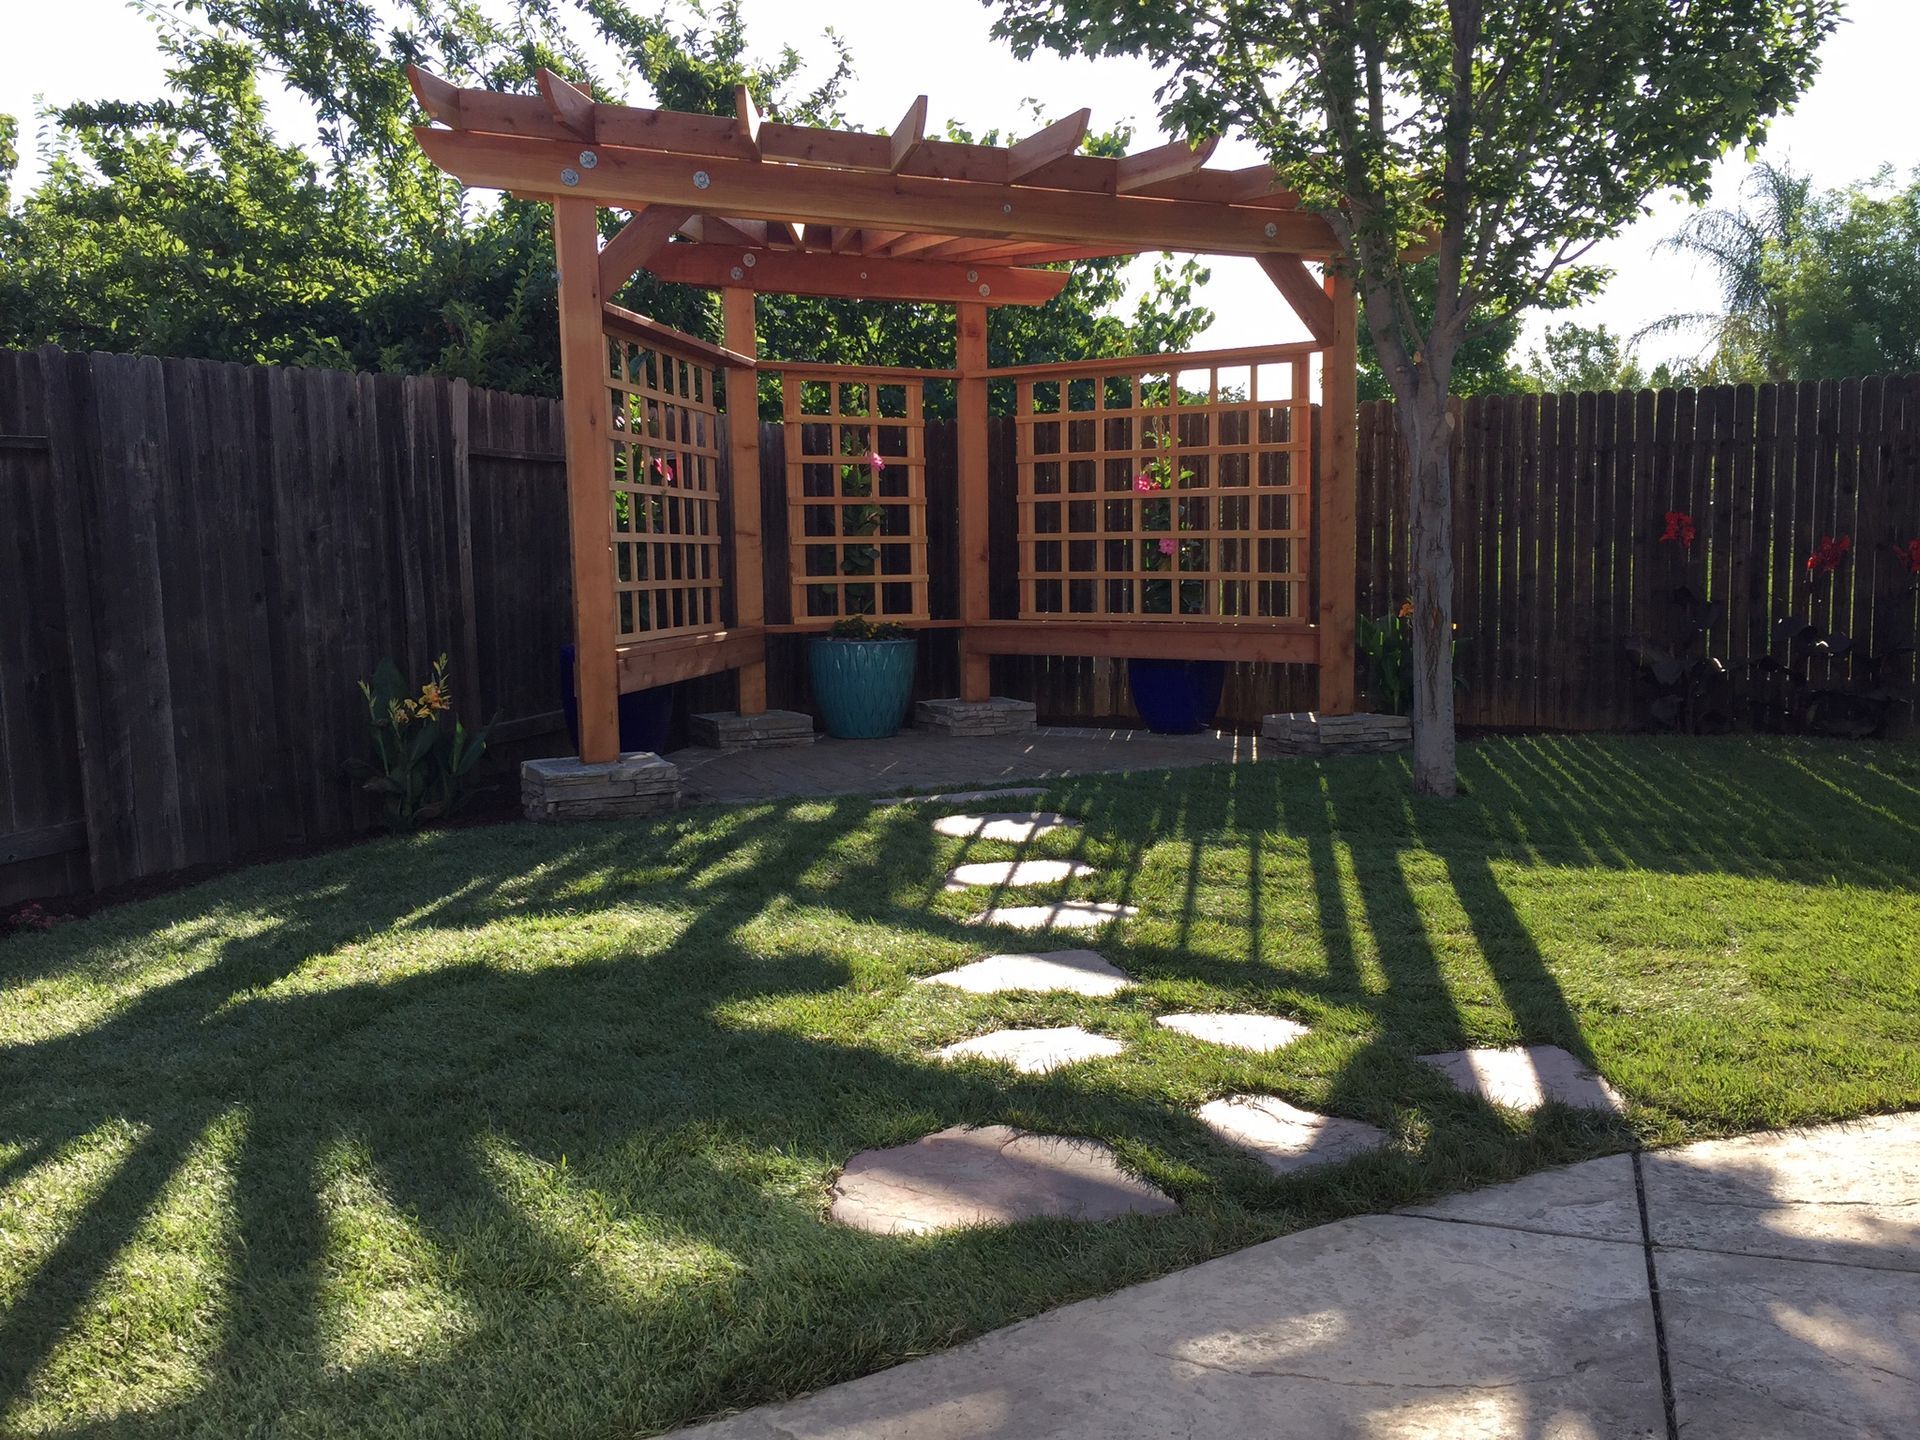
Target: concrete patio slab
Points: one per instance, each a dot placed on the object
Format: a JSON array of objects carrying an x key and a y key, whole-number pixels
[
  {"x": 990, "y": 1175},
  {"x": 1847, "y": 1193},
  {"x": 1518, "y": 1310},
  {"x": 1262, "y": 1034},
  {"x": 1014, "y": 826},
  {"x": 919, "y": 760},
  {"x": 1596, "y": 1200},
  {"x": 1059, "y": 915},
  {"x": 1034, "y": 1052},
  {"x": 1015, "y": 873},
  {"x": 1084, "y": 972},
  {"x": 1789, "y": 1349},
  {"x": 1527, "y": 1078},
  {"x": 1379, "y": 1327},
  {"x": 1284, "y": 1137}
]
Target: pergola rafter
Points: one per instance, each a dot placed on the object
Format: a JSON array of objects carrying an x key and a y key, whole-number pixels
[{"x": 746, "y": 204}]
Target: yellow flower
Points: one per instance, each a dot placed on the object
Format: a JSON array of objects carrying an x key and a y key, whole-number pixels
[{"x": 432, "y": 698}]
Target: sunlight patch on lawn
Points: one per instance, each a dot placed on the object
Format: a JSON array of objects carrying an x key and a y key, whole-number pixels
[
  {"x": 385, "y": 1296},
  {"x": 111, "y": 976},
  {"x": 618, "y": 1251},
  {"x": 159, "y": 1309}
]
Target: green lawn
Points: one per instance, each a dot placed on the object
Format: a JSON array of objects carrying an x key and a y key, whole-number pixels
[{"x": 520, "y": 1130}]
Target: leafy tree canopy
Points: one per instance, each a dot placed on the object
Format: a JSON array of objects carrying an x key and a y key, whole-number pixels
[
  {"x": 184, "y": 225},
  {"x": 1813, "y": 284},
  {"x": 1499, "y": 138}
]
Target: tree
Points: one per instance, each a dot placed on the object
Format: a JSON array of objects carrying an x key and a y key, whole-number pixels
[
  {"x": 1574, "y": 357},
  {"x": 1747, "y": 334},
  {"x": 1504, "y": 136},
  {"x": 183, "y": 226},
  {"x": 1814, "y": 284}
]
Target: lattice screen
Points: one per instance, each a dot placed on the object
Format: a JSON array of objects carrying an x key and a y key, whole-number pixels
[
  {"x": 665, "y": 480},
  {"x": 856, "y": 495},
  {"x": 1171, "y": 493}
]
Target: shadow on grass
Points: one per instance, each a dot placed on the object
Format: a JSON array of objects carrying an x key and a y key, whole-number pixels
[{"x": 610, "y": 1032}]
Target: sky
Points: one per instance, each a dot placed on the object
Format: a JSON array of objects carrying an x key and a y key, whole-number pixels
[{"x": 1846, "y": 126}]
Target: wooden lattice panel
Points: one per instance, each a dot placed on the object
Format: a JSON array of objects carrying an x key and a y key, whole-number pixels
[
  {"x": 665, "y": 481},
  {"x": 856, "y": 495},
  {"x": 1175, "y": 490}
]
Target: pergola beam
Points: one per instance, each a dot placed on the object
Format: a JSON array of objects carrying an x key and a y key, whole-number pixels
[
  {"x": 908, "y": 135},
  {"x": 686, "y": 134},
  {"x": 635, "y": 243},
  {"x": 1303, "y": 292},
  {"x": 746, "y": 119},
  {"x": 571, "y": 106},
  {"x": 627, "y": 177},
  {"x": 855, "y": 277},
  {"x": 1166, "y": 162},
  {"x": 1043, "y": 147}
]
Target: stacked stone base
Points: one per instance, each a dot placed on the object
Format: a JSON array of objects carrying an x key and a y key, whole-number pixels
[
  {"x": 1307, "y": 732},
  {"x": 640, "y": 783},
  {"x": 998, "y": 716},
  {"x": 769, "y": 730}
]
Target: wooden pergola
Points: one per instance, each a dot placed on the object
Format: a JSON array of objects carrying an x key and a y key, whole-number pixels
[{"x": 746, "y": 205}]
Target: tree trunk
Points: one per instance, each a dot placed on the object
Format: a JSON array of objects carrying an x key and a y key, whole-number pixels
[{"x": 1425, "y": 426}]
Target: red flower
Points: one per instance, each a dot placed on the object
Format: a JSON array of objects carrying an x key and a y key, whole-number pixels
[
  {"x": 1679, "y": 529},
  {"x": 1828, "y": 554},
  {"x": 664, "y": 469},
  {"x": 1909, "y": 554}
]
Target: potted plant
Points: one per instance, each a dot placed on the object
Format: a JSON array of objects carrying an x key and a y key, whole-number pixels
[
  {"x": 1174, "y": 697},
  {"x": 862, "y": 675}
]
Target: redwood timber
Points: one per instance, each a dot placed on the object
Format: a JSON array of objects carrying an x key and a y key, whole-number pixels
[
  {"x": 583, "y": 364},
  {"x": 739, "y": 329}
]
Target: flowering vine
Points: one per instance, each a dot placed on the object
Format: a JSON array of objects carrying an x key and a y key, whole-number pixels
[
  {"x": 1828, "y": 555},
  {"x": 1680, "y": 530}
]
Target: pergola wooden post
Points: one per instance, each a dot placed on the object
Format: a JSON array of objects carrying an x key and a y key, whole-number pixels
[
  {"x": 970, "y": 443},
  {"x": 743, "y": 443},
  {"x": 1160, "y": 519},
  {"x": 1339, "y": 476},
  {"x": 583, "y": 366}
]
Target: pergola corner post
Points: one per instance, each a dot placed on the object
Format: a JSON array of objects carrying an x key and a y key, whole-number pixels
[
  {"x": 583, "y": 364},
  {"x": 1339, "y": 478},
  {"x": 743, "y": 453},
  {"x": 970, "y": 415}
]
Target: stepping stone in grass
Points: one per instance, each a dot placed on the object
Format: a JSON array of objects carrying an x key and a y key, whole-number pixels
[
  {"x": 1262, "y": 1034},
  {"x": 1007, "y": 825},
  {"x": 1060, "y": 915},
  {"x": 1016, "y": 872},
  {"x": 1527, "y": 1078},
  {"x": 1034, "y": 1052},
  {"x": 1084, "y": 972},
  {"x": 1285, "y": 1138},
  {"x": 991, "y": 1175}
]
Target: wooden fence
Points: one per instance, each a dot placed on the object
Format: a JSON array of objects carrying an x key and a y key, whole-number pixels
[
  {"x": 199, "y": 561},
  {"x": 1560, "y": 502}
]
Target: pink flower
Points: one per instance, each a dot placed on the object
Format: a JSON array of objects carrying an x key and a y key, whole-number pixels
[
  {"x": 1166, "y": 547},
  {"x": 874, "y": 462},
  {"x": 1144, "y": 482},
  {"x": 664, "y": 469}
]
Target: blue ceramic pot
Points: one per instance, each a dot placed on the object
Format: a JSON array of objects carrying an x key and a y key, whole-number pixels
[
  {"x": 1177, "y": 697},
  {"x": 646, "y": 716},
  {"x": 862, "y": 687}
]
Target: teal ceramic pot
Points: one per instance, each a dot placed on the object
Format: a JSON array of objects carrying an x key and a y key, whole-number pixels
[{"x": 862, "y": 687}]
